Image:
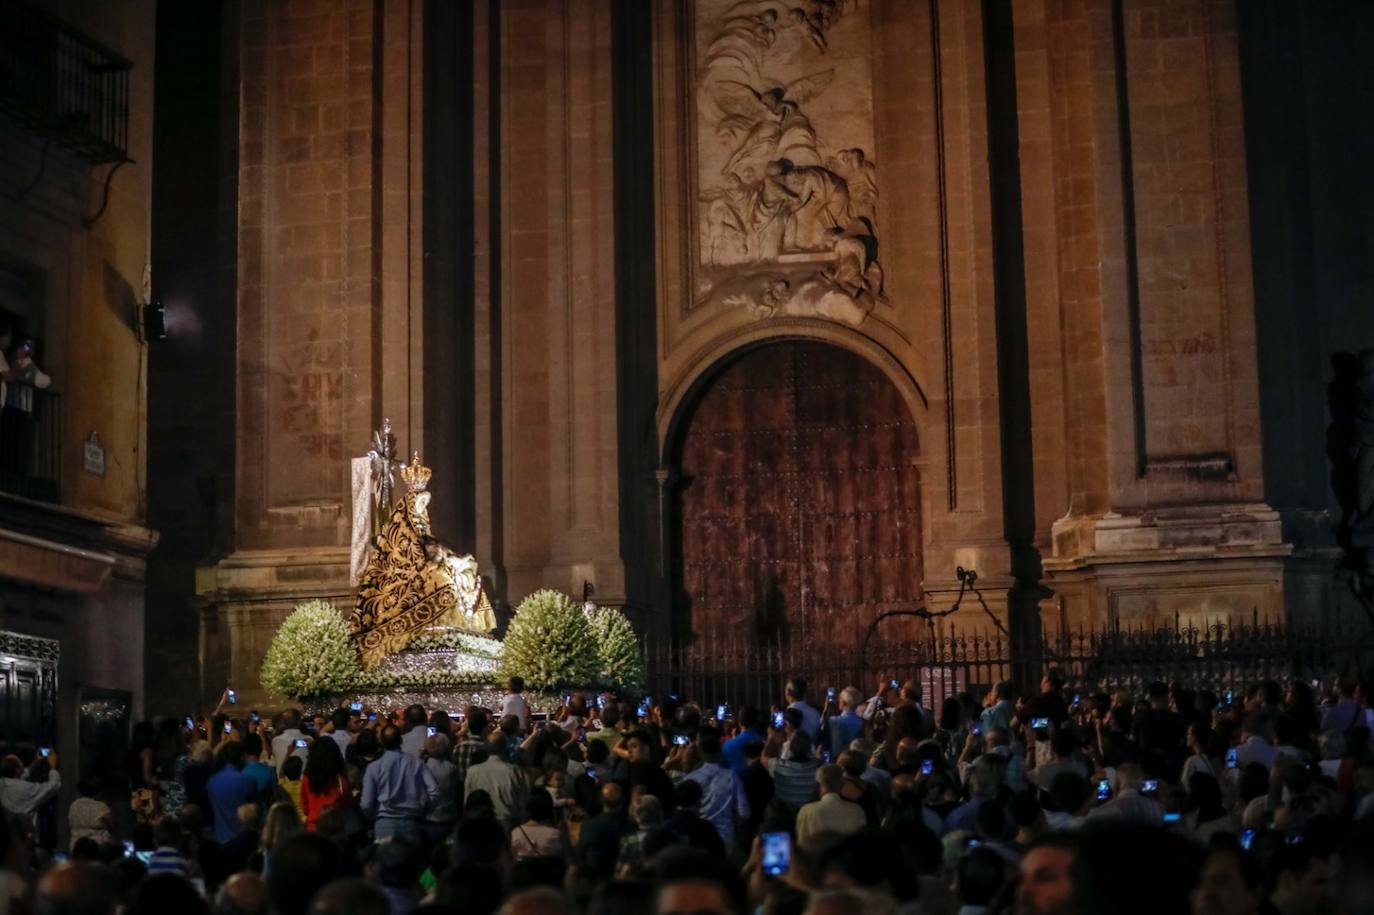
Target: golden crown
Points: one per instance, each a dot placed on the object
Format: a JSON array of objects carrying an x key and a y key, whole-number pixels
[{"x": 415, "y": 475}]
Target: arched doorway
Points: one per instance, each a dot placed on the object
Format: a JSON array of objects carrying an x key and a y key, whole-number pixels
[{"x": 797, "y": 512}]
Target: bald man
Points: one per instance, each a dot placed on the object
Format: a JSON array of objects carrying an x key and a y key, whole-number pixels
[{"x": 77, "y": 888}]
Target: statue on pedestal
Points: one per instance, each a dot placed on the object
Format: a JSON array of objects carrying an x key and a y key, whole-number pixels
[{"x": 413, "y": 583}]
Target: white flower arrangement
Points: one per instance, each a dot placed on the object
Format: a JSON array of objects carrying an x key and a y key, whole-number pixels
[
  {"x": 621, "y": 667},
  {"x": 311, "y": 654},
  {"x": 550, "y": 643},
  {"x": 456, "y": 640}
]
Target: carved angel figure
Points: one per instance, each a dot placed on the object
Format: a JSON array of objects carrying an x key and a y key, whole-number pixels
[
  {"x": 768, "y": 124},
  {"x": 412, "y": 582}
]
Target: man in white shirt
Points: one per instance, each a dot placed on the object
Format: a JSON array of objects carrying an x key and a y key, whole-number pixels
[
  {"x": 832, "y": 814},
  {"x": 515, "y": 704},
  {"x": 1130, "y": 803},
  {"x": 21, "y": 797},
  {"x": 796, "y": 698},
  {"x": 1255, "y": 746},
  {"x": 284, "y": 743}
]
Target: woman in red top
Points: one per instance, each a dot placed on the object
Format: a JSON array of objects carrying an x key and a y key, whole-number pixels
[{"x": 324, "y": 783}]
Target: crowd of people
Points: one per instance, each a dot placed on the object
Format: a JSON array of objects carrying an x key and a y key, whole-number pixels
[{"x": 841, "y": 803}]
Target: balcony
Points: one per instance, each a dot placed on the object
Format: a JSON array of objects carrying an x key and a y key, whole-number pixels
[
  {"x": 62, "y": 84},
  {"x": 31, "y": 442}
]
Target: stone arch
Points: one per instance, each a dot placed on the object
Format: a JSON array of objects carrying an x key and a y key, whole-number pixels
[
  {"x": 721, "y": 350},
  {"x": 794, "y": 497}
]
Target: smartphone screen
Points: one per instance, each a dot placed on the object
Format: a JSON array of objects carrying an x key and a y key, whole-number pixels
[
  {"x": 233, "y": 697},
  {"x": 778, "y": 721},
  {"x": 302, "y": 743},
  {"x": 1231, "y": 758},
  {"x": 977, "y": 728},
  {"x": 228, "y": 728},
  {"x": 927, "y": 766},
  {"x": 431, "y": 731},
  {"x": 644, "y": 709},
  {"x": 1246, "y": 838},
  {"x": 1104, "y": 789},
  {"x": 1040, "y": 724},
  {"x": 356, "y": 706},
  {"x": 777, "y": 853},
  {"x": 895, "y": 684},
  {"x": 128, "y": 849},
  {"x": 680, "y": 740},
  {"x": 722, "y": 711},
  {"x": 1149, "y": 786},
  {"x": 830, "y": 694},
  {"x": 44, "y": 751},
  {"x": 190, "y": 725}
]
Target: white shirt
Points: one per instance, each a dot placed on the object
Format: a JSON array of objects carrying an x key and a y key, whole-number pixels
[
  {"x": 531, "y": 840},
  {"x": 282, "y": 745},
  {"x": 1256, "y": 750},
  {"x": 811, "y": 719},
  {"x": 516, "y": 705},
  {"x": 832, "y": 814},
  {"x": 23, "y": 797},
  {"x": 343, "y": 739}
]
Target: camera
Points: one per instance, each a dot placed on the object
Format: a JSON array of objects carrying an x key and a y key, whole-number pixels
[
  {"x": 778, "y": 721},
  {"x": 680, "y": 740},
  {"x": 777, "y": 853}
]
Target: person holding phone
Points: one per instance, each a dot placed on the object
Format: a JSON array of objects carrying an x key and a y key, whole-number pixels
[
  {"x": 723, "y": 802},
  {"x": 21, "y": 795},
  {"x": 751, "y": 728},
  {"x": 1130, "y": 801},
  {"x": 796, "y": 699},
  {"x": 842, "y": 729}
]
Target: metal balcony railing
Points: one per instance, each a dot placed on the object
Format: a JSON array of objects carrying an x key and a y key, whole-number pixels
[
  {"x": 62, "y": 84},
  {"x": 31, "y": 442}
]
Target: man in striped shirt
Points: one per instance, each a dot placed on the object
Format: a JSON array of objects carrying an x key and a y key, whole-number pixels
[{"x": 168, "y": 859}]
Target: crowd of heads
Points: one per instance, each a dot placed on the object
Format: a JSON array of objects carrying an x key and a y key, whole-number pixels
[{"x": 1047, "y": 802}]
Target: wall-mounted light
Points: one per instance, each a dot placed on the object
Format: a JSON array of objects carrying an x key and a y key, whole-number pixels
[{"x": 154, "y": 321}]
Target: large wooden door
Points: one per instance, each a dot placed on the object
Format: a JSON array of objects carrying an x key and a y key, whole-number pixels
[{"x": 799, "y": 503}]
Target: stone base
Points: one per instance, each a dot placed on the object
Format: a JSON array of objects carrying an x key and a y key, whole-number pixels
[{"x": 243, "y": 600}]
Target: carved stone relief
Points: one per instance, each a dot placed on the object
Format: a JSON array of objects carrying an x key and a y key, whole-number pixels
[{"x": 787, "y": 185}]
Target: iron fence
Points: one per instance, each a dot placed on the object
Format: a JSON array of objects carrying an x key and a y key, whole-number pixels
[
  {"x": 719, "y": 667},
  {"x": 31, "y": 442}
]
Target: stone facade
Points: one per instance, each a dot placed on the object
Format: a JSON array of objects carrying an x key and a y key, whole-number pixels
[
  {"x": 1033, "y": 218},
  {"x": 73, "y": 566}
]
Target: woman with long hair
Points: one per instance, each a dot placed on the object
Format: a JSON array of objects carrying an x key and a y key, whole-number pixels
[
  {"x": 903, "y": 722},
  {"x": 324, "y": 782},
  {"x": 282, "y": 822}
]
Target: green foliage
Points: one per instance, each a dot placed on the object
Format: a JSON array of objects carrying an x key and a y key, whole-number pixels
[
  {"x": 550, "y": 643},
  {"x": 311, "y": 653},
  {"x": 621, "y": 667}
]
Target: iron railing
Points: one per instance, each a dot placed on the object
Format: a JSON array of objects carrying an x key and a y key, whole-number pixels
[
  {"x": 719, "y": 667},
  {"x": 62, "y": 84},
  {"x": 31, "y": 442}
]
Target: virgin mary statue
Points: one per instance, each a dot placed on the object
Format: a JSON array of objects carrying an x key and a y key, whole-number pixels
[{"x": 412, "y": 582}]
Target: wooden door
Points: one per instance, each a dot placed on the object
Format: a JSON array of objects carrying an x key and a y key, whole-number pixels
[{"x": 799, "y": 502}]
